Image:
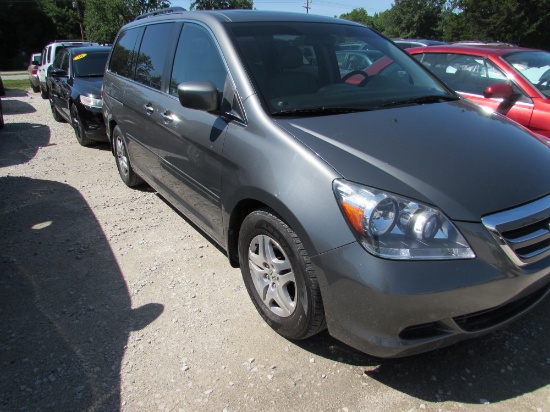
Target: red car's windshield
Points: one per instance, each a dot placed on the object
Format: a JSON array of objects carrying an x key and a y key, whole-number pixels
[{"x": 534, "y": 66}]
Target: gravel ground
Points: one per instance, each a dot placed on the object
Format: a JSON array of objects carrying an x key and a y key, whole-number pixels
[{"x": 110, "y": 300}]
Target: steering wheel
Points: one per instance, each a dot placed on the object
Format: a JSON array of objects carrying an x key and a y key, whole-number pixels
[{"x": 353, "y": 73}]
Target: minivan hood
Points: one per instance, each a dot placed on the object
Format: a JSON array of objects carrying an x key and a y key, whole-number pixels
[{"x": 452, "y": 155}]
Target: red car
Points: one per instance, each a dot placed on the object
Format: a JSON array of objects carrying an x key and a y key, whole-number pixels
[{"x": 513, "y": 81}]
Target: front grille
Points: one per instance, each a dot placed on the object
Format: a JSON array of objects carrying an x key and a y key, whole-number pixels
[{"x": 524, "y": 232}]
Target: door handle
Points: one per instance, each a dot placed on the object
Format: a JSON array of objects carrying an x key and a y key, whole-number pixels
[
  {"x": 167, "y": 117},
  {"x": 149, "y": 108}
]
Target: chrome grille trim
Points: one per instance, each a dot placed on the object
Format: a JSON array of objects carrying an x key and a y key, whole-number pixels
[{"x": 523, "y": 233}]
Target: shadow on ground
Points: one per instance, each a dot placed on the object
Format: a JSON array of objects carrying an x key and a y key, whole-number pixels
[
  {"x": 65, "y": 310},
  {"x": 508, "y": 363}
]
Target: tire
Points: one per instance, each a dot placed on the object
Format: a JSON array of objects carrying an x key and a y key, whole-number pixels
[
  {"x": 127, "y": 174},
  {"x": 35, "y": 89},
  {"x": 43, "y": 92},
  {"x": 55, "y": 114},
  {"x": 79, "y": 128},
  {"x": 279, "y": 276}
]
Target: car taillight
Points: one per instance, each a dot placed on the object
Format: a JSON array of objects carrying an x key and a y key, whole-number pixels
[{"x": 34, "y": 70}]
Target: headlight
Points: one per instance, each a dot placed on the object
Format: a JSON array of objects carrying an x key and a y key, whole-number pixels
[
  {"x": 395, "y": 227},
  {"x": 91, "y": 101}
]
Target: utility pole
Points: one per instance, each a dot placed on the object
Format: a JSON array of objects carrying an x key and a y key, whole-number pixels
[{"x": 307, "y": 7}]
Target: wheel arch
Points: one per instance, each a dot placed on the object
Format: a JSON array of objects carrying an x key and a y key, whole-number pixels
[{"x": 249, "y": 204}]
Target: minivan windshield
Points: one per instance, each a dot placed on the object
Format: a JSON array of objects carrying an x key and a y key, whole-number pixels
[{"x": 307, "y": 69}]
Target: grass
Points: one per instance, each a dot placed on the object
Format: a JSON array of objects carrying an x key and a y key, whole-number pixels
[{"x": 22, "y": 84}]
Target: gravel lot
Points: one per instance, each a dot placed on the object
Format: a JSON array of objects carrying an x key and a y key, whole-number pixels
[{"x": 110, "y": 300}]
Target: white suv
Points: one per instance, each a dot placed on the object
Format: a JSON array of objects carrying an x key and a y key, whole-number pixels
[{"x": 48, "y": 56}]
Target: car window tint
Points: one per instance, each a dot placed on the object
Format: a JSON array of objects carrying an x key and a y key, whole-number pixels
[
  {"x": 152, "y": 54},
  {"x": 65, "y": 62},
  {"x": 274, "y": 57},
  {"x": 123, "y": 59},
  {"x": 197, "y": 59},
  {"x": 90, "y": 64},
  {"x": 57, "y": 62}
]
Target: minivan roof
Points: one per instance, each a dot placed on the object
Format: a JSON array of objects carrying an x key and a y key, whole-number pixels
[{"x": 240, "y": 16}]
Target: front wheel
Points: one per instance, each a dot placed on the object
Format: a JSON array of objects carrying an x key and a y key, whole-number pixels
[
  {"x": 55, "y": 114},
  {"x": 127, "y": 174},
  {"x": 43, "y": 92},
  {"x": 79, "y": 131},
  {"x": 279, "y": 276}
]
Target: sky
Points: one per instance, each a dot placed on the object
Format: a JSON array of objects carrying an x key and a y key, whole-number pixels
[{"x": 329, "y": 8}]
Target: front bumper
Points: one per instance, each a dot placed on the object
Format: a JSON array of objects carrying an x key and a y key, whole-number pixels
[
  {"x": 92, "y": 122},
  {"x": 397, "y": 308}
]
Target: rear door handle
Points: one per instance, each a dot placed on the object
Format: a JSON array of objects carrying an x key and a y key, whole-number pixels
[{"x": 149, "y": 108}]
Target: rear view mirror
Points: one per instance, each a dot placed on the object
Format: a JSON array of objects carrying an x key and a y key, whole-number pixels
[
  {"x": 498, "y": 91},
  {"x": 57, "y": 73},
  {"x": 199, "y": 96}
]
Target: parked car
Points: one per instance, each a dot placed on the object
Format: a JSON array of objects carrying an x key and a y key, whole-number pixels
[
  {"x": 2, "y": 90},
  {"x": 512, "y": 81},
  {"x": 48, "y": 56},
  {"x": 483, "y": 43},
  {"x": 74, "y": 84},
  {"x": 1, "y": 115},
  {"x": 408, "y": 43},
  {"x": 391, "y": 211},
  {"x": 349, "y": 60},
  {"x": 34, "y": 64}
]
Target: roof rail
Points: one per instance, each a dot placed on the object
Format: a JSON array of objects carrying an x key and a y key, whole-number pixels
[{"x": 160, "y": 11}]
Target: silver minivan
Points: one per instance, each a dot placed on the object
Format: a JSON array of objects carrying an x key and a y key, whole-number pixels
[{"x": 376, "y": 202}]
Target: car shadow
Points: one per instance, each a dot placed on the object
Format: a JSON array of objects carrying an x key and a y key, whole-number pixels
[
  {"x": 20, "y": 142},
  {"x": 15, "y": 92},
  {"x": 10, "y": 106},
  {"x": 65, "y": 308},
  {"x": 508, "y": 363}
]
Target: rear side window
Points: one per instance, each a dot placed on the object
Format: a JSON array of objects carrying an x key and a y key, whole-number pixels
[
  {"x": 152, "y": 54},
  {"x": 123, "y": 58}
]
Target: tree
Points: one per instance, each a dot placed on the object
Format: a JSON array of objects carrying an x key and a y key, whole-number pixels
[
  {"x": 24, "y": 29},
  {"x": 221, "y": 4},
  {"x": 359, "y": 15},
  {"x": 103, "y": 19},
  {"x": 66, "y": 17},
  {"x": 415, "y": 18},
  {"x": 514, "y": 21}
]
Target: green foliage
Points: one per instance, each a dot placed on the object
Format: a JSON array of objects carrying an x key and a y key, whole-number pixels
[
  {"x": 103, "y": 19},
  {"x": 221, "y": 4},
  {"x": 24, "y": 29},
  {"x": 65, "y": 15},
  {"x": 521, "y": 22},
  {"x": 359, "y": 15}
]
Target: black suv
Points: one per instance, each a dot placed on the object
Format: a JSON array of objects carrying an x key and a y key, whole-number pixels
[{"x": 74, "y": 90}]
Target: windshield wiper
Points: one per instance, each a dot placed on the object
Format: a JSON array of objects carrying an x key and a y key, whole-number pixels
[
  {"x": 435, "y": 98},
  {"x": 314, "y": 111}
]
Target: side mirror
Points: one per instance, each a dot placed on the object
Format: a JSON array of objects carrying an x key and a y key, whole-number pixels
[
  {"x": 57, "y": 73},
  {"x": 199, "y": 96},
  {"x": 499, "y": 91}
]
